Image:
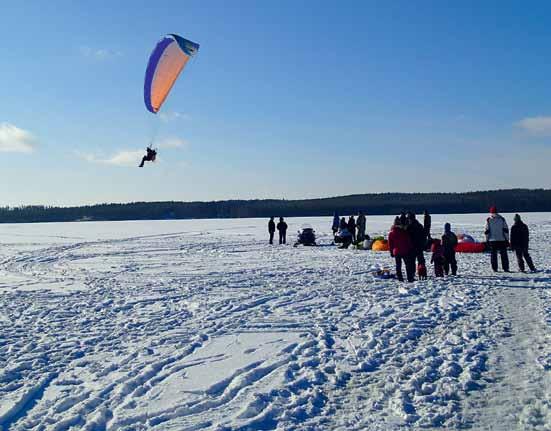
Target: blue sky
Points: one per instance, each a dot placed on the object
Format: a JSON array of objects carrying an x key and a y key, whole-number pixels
[{"x": 286, "y": 99}]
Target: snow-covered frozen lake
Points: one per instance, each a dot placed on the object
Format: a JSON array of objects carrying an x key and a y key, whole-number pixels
[{"x": 200, "y": 324}]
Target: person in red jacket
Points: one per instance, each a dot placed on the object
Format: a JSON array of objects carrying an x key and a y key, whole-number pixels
[{"x": 401, "y": 249}]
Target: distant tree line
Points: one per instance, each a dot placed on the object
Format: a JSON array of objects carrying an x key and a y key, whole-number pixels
[{"x": 513, "y": 200}]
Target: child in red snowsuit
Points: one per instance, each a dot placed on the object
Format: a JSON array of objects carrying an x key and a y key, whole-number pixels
[{"x": 437, "y": 257}]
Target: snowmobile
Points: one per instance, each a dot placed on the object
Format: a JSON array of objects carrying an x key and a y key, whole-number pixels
[{"x": 306, "y": 236}]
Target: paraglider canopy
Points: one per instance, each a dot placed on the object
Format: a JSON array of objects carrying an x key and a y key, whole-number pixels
[{"x": 167, "y": 60}]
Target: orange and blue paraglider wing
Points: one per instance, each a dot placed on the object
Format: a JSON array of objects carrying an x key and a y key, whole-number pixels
[{"x": 167, "y": 60}]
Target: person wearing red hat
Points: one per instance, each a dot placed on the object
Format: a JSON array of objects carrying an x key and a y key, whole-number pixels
[{"x": 497, "y": 236}]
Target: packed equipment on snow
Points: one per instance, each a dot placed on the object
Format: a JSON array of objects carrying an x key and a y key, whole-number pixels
[
  {"x": 380, "y": 245},
  {"x": 382, "y": 273}
]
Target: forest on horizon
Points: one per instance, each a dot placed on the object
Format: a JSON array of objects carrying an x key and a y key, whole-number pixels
[{"x": 512, "y": 200}]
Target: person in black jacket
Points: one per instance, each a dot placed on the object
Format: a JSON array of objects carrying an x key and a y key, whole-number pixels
[
  {"x": 335, "y": 225},
  {"x": 519, "y": 243},
  {"x": 449, "y": 241},
  {"x": 271, "y": 229},
  {"x": 360, "y": 226},
  {"x": 343, "y": 224},
  {"x": 427, "y": 222},
  {"x": 150, "y": 156},
  {"x": 417, "y": 234},
  {"x": 352, "y": 228},
  {"x": 282, "y": 229}
]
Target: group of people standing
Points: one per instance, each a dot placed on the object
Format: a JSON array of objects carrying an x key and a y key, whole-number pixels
[
  {"x": 350, "y": 231},
  {"x": 281, "y": 228},
  {"x": 498, "y": 239},
  {"x": 408, "y": 240}
]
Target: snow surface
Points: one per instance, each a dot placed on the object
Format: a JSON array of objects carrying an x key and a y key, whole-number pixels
[{"x": 200, "y": 324}]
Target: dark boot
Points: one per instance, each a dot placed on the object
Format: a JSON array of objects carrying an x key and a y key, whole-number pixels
[
  {"x": 446, "y": 267},
  {"x": 504, "y": 258},
  {"x": 493, "y": 257},
  {"x": 529, "y": 261},
  {"x": 399, "y": 274},
  {"x": 520, "y": 260},
  {"x": 410, "y": 268},
  {"x": 453, "y": 264}
]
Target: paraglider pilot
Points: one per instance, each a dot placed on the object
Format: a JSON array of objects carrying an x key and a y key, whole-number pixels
[{"x": 149, "y": 157}]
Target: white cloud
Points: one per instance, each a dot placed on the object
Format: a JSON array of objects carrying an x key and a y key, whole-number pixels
[
  {"x": 536, "y": 125},
  {"x": 131, "y": 157},
  {"x": 98, "y": 53},
  {"x": 86, "y": 156},
  {"x": 172, "y": 142},
  {"x": 126, "y": 158},
  {"x": 172, "y": 116},
  {"x": 16, "y": 140},
  {"x": 122, "y": 158}
]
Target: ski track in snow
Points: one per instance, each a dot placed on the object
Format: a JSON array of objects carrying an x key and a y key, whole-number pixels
[{"x": 191, "y": 327}]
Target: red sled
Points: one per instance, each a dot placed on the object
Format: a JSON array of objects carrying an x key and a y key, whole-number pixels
[{"x": 471, "y": 247}]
